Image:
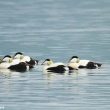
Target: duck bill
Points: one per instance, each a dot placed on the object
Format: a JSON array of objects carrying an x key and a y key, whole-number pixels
[
  {"x": 69, "y": 60},
  {"x": 43, "y": 63}
]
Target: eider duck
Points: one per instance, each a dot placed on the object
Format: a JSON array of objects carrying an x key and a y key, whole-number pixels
[
  {"x": 49, "y": 66},
  {"x": 75, "y": 62},
  {"x": 26, "y": 59},
  {"x": 5, "y": 62},
  {"x": 8, "y": 63}
]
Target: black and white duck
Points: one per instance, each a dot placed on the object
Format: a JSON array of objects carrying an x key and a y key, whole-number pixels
[{"x": 75, "y": 62}]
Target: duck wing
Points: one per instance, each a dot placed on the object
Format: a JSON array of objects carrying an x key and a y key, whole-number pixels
[
  {"x": 21, "y": 67},
  {"x": 57, "y": 69}
]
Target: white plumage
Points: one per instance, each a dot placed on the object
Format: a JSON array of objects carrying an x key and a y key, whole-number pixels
[
  {"x": 6, "y": 62},
  {"x": 83, "y": 62},
  {"x": 58, "y": 67},
  {"x": 26, "y": 59},
  {"x": 13, "y": 64},
  {"x": 75, "y": 62}
]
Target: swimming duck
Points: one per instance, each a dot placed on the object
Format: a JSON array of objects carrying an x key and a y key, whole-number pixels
[
  {"x": 50, "y": 66},
  {"x": 26, "y": 59},
  {"x": 75, "y": 62},
  {"x": 5, "y": 62},
  {"x": 8, "y": 63}
]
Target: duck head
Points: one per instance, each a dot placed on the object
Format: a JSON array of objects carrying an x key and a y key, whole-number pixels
[
  {"x": 7, "y": 59},
  {"x": 47, "y": 62},
  {"x": 74, "y": 59},
  {"x": 18, "y": 55}
]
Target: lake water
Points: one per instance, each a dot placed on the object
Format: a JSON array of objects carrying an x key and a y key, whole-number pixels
[{"x": 56, "y": 29}]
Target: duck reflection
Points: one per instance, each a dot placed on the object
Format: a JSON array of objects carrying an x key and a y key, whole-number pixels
[{"x": 7, "y": 73}]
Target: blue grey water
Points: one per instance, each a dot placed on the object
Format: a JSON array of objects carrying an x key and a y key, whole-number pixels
[{"x": 56, "y": 29}]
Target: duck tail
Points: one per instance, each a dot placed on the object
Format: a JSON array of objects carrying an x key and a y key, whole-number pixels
[{"x": 98, "y": 64}]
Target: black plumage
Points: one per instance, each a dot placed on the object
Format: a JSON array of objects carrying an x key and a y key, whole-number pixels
[
  {"x": 57, "y": 69},
  {"x": 21, "y": 67},
  {"x": 32, "y": 62},
  {"x": 91, "y": 65}
]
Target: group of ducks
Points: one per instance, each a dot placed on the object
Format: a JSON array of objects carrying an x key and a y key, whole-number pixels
[
  {"x": 74, "y": 64},
  {"x": 21, "y": 63},
  {"x": 18, "y": 62}
]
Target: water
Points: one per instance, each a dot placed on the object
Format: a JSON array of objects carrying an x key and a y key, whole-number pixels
[{"x": 56, "y": 29}]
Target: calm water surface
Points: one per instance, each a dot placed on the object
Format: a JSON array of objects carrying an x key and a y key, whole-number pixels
[{"x": 56, "y": 29}]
